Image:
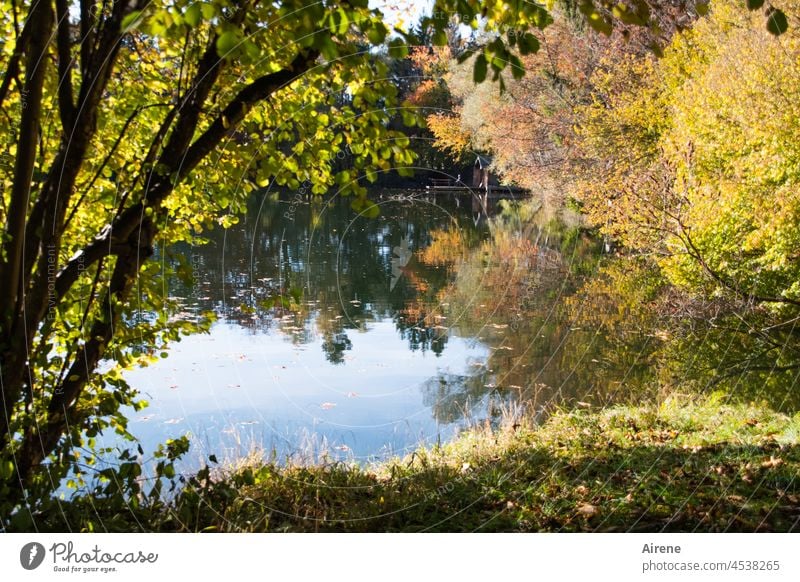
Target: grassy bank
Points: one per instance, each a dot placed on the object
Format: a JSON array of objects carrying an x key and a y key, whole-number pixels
[{"x": 681, "y": 466}]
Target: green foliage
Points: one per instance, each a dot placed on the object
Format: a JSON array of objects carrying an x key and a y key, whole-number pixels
[{"x": 701, "y": 159}]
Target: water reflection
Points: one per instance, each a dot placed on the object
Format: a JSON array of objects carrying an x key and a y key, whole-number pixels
[{"x": 364, "y": 336}]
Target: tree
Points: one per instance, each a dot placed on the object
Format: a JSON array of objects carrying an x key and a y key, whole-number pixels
[
  {"x": 697, "y": 158},
  {"x": 126, "y": 127}
]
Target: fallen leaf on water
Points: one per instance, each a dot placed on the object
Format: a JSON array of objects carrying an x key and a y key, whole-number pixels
[
  {"x": 352, "y": 394},
  {"x": 327, "y": 405},
  {"x": 173, "y": 420}
]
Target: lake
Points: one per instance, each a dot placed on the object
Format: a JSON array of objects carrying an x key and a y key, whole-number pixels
[{"x": 346, "y": 337}]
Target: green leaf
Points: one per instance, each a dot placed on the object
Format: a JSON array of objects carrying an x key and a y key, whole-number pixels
[
  {"x": 628, "y": 16},
  {"x": 517, "y": 69},
  {"x": 464, "y": 56},
  {"x": 479, "y": 73},
  {"x": 754, "y": 4},
  {"x": 600, "y": 24},
  {"x": 192, "y": 15},
  {"x": 6, "y": 470},
  {"x": 776, "y": 22},
  {"x": 440, "y": 38},
  {"x": 208, "y": 10},
  {"x": 377, "y": 34},
  {"x": 226, "y": 42},
  {"x": 398, "y": 49},
  {"x": 702, "y": 7},
  {"x": 528, "y": 44},
  {"x": 131, "y": 21}
]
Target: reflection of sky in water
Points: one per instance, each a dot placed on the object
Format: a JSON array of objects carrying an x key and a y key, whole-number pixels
[
  {"x": 351, "y": 372},
  {"x": 231, "y": 390}
]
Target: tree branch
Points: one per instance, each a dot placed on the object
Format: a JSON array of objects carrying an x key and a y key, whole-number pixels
[
  {"x": 66, "y": 105},
  {"x": 236, "y": 110},
  {"x": 697, "y": 255},
  {"x": 40, "y": 19},
  {"x": 12, "y": 69}
]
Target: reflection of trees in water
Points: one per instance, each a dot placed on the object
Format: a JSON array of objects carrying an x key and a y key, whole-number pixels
[
  {"x": 565, "y": 325},
  {"x": 452, "y": 396},
  {"x": 521, "y": 294},
  {"x": 316, "y": 269}
]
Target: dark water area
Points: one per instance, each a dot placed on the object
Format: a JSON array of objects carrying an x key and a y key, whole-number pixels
[{"x": 345, "y": 336}]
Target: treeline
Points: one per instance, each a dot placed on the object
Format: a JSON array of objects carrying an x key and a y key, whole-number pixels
[{"x": 687, "y": 152}]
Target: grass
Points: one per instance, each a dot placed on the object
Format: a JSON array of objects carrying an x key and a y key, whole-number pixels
[{"x": 683, "y": 465}]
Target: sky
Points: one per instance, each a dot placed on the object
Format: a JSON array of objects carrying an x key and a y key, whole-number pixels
[{"x": 402, "y": 13}]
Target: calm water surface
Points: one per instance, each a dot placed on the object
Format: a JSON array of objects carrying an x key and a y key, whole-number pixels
[{"x": 360, "y": 337}]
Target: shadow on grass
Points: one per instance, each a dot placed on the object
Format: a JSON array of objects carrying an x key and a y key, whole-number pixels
[{"x": 715, "y": 488}]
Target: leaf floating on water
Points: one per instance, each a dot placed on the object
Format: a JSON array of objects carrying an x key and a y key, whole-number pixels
[
  {"x": 352, "y": 394},
  {"x": 327, "y": 405},
  {"x": 173, "y": 420},
  {"x": 173, "y": 387},
  {"x": 343, "y": 448}
]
